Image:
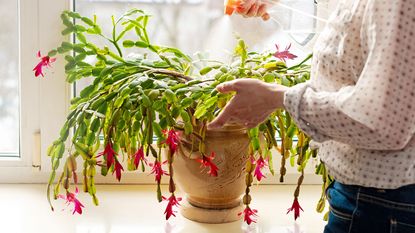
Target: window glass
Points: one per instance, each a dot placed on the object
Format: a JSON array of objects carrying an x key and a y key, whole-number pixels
[{"x": 9, "y": 79}]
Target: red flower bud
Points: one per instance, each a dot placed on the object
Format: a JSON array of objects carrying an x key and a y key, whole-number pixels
[
  {"x": 172, "y": 140},
  {"x": 45, "y": 61},
  {"x": 282, "y": 55},
  {"x": 172, "y": 202},
  {"x": 296, "y": 207},
  {"x": 207, "y": 162},
  {"x": 71, "y": 199},
  {"x": 249, "y": 215}
]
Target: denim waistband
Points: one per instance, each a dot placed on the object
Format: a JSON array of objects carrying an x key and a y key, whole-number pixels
[{"x": 405, "y": 194}]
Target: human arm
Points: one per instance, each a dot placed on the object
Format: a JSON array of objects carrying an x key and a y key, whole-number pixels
[{"x": 376, "y": 113}]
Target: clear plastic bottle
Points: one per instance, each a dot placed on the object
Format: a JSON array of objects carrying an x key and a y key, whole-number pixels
[{"x": 302, "y": 20}]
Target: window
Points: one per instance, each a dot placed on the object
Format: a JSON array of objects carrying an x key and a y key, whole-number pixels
[
  {"x": 191, "y": 25},
  {"x": 35, "y": 107},
  {"x": 200, "y": 25},
  {"x": 32, "y": 110},
  {"x": 9, "y": 80}
]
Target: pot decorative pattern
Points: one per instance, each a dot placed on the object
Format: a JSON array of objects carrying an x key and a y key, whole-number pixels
[{"x": 212, "y": 199}]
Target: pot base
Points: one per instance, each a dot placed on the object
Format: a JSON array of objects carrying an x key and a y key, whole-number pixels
[{"x": 212, "y": 216}]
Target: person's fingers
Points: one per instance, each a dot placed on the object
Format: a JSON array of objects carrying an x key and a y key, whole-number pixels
[
  {"x": 266, "y": 17},
  {"x": 220, "y": 120},
  {"x": 242, "y": 11},
  {"x": 245, "y": 6},
  {"x": 262, "y": 10},
  {"x": 227, "y": 87},
  {"x": 253, "y": 11},
  {"x": 224, "y": 116}
]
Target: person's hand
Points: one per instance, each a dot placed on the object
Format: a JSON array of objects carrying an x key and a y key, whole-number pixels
[
  {"x": 253, "y": 8},
  {"x": 253, "y": 102}
]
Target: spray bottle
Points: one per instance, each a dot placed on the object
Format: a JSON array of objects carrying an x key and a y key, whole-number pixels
[{"x": 302, "y": 26}]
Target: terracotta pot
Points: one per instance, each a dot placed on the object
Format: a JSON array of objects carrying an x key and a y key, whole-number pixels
[{"x": 213, "y": 199}]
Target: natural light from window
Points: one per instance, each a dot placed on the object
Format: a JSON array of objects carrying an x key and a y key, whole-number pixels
[
  {"x": 200, "y": 26},
  {"x": 9, "y": 79}
]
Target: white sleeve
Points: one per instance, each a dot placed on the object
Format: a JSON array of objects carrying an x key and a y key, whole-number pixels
[{"x": 378, "y": 112}]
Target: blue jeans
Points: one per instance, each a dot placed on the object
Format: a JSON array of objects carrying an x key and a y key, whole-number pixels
[{"x": 356, "y": 209}]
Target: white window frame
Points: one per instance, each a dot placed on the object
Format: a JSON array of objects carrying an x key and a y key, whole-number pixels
[{"x": 44, "y": 102}]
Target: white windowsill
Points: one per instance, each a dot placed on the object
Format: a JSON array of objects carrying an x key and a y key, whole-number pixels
[{"x": 131, "y": 208}]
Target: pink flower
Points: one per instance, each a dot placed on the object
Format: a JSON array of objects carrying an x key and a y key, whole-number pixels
[
  {"x": 249, "y": 215},
  {"x": 284, "y": 54},
  {"x": 139, "y": 156},
  {"x": 172, "y": 202},
  {"x": 158, "y": 171},
  {"x": 296, "y": 207},
  {"x": 71, "y": 199},
  {"x": 207, "y": 162},
  {"x": 45, "y": 61},
  {"x": 260, "y": 164},
  {"x": 172, "y": 140},
  {"x": 109, "y": 154},
  {"x": 117, "y": 169}
]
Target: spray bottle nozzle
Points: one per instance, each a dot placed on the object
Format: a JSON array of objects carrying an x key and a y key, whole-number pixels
[{"x": 231, "y": 5}]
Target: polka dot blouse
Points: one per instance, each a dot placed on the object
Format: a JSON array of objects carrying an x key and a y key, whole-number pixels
[{"x": 359, "y": 105}]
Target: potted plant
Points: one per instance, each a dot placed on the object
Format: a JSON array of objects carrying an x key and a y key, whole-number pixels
[{"x": 167, "y": 95}]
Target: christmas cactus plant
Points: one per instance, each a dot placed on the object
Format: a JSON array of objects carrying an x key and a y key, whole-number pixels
[{"x": 161, "y": 94}]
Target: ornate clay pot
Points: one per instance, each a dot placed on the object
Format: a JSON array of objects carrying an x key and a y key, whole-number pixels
[{"x": 213, "y": 199}]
